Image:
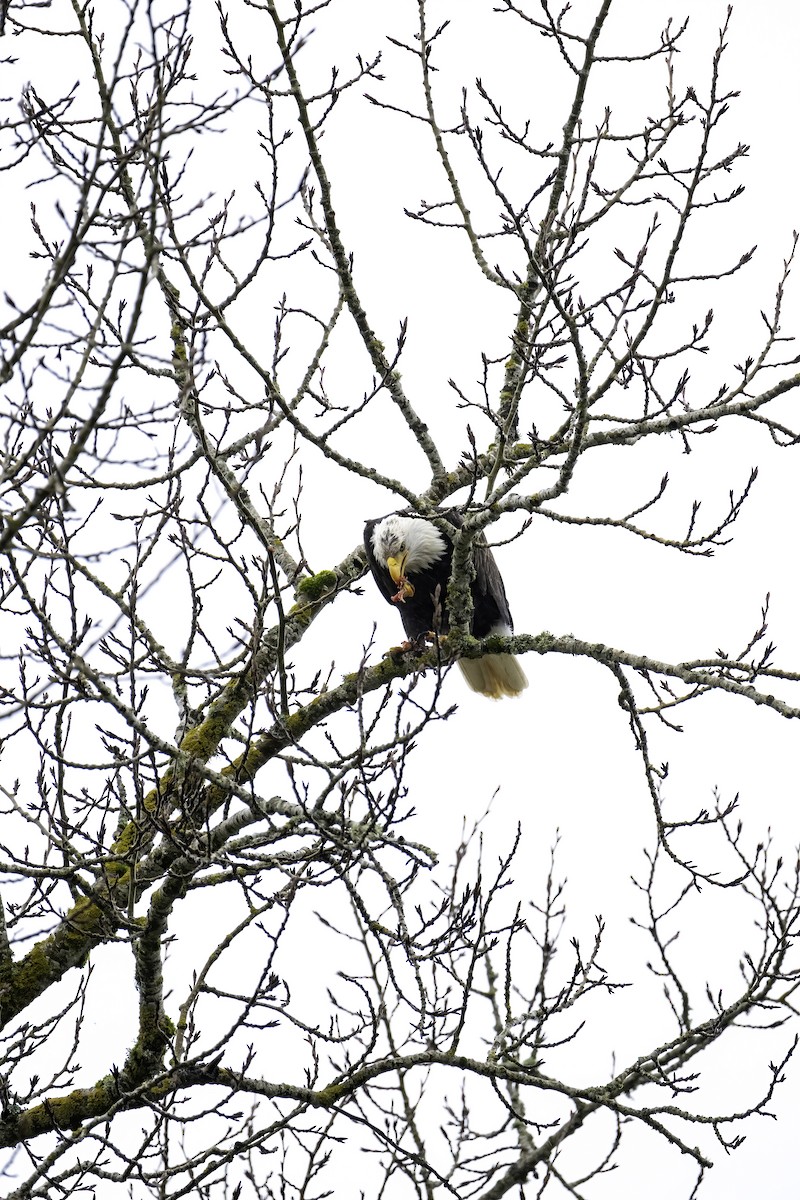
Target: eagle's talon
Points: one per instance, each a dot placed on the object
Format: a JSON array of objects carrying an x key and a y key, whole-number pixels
[
  {"x": 417, "y": 645},
  {"x": 397, "y": 651}
]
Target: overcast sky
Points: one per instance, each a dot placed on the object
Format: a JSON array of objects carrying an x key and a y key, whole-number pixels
[{"x": 561, "y": 757}]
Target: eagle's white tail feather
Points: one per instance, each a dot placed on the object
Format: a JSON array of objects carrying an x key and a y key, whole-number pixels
[{"x": 494, "y": 675}]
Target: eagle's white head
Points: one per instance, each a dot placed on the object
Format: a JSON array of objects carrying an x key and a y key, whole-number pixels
[{"x": 411, "y": 541}]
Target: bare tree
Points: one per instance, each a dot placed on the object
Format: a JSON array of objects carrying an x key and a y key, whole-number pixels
[{"x": 204, "y": 829}]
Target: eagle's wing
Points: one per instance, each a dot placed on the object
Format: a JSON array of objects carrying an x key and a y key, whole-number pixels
[
  {"x": 489, "y": 594},
  {"x": 489, "y": 583}
]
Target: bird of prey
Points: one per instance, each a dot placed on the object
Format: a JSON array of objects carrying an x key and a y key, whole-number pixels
[{"x": 411, "y": 559}]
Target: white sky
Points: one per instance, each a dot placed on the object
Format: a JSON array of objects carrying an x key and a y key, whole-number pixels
[
  {"x": 566, "y": 756},
  {"x": 562, "y": 756}
]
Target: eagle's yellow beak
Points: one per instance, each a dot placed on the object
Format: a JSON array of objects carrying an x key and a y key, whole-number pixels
[{"x": 397, "y": 568}]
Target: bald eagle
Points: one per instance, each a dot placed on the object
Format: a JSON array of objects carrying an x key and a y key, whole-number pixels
[{"x": 411, "y": 561}]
